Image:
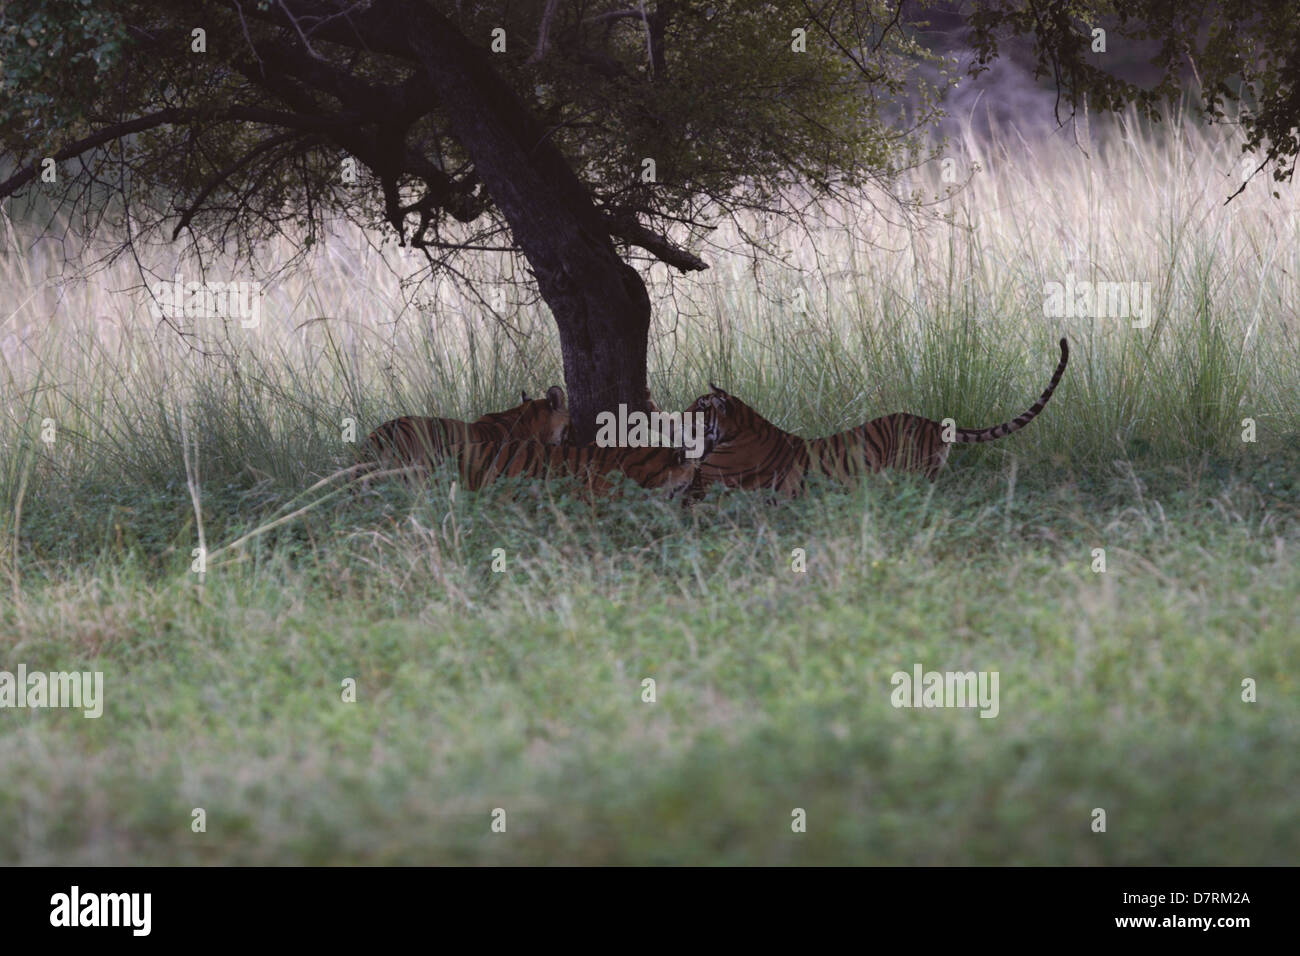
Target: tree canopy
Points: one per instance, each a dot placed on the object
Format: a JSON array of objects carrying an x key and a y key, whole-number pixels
[{"x": 281, "y": 93}]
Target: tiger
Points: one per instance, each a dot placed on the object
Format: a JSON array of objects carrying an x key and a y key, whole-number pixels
[
  {"x": 479, "y": 463},
  {"x": 747, "y": 451},
  {"x": 412, "y": 440}
]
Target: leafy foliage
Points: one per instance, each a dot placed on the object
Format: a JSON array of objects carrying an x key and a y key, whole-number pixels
[{"x": 248, "y": 136}]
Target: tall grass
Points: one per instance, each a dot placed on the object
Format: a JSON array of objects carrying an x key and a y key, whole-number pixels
[{"x": 938, "y": 317}]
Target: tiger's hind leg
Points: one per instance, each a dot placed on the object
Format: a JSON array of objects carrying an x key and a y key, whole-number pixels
[{"x": 937, "y": 460}]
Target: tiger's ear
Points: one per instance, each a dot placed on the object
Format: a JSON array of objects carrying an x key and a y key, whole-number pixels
[
  {"x": 524, "y": 396},
  {"x": 555, "y": 397}
]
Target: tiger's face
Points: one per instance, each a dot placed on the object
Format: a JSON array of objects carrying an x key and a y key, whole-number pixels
[
  {"x": 723, "y": 417},
  {"x": 545, "y": 420}
]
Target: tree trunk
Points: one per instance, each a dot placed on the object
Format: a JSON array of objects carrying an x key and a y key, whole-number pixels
[
  {"x": 599, "y": 302},
  {"x": 604, "y": 351}
]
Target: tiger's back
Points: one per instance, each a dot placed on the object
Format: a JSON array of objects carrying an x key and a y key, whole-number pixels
[{"x": 902, "y": 441}]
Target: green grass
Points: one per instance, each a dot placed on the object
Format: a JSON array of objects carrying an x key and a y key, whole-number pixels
[{"x": 522, "y": 690}]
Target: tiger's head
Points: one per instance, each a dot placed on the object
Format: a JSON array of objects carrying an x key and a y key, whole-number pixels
[
  {"x": 544, "y": 420},
  {"x": 726, "y": 418}
]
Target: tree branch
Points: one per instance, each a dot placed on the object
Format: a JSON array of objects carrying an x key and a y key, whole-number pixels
[
  {"x": 659, "y": 246},
  {"x": 176, "y": 116},
  {"x": 211, "y": 185}
]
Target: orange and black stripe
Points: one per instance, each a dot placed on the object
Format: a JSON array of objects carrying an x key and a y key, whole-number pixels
[
  {"x": 653, "y": 467},
  {"x": 414, "y": 440}
]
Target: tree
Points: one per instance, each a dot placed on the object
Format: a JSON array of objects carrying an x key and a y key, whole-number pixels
[{"x": 528, "y": 126}]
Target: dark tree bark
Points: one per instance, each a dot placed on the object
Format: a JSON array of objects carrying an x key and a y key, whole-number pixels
[{"x": 600, "y": 304}]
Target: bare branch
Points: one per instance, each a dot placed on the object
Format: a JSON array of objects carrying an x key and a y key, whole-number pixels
[
  {"x": 661, "y": 247},
  {"x": 211, "y": 185},
  {"x": 175, "y": 116}
]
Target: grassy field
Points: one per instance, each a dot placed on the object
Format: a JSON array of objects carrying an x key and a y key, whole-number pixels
[{"x": 523, "y": 690}]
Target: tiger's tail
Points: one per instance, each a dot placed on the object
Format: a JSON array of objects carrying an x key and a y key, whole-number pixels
[{"x": 1020, "y": 421}]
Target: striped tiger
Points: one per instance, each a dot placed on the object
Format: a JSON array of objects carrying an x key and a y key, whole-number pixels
[
  {"x": 661, "y": 468},
  {"x": 747, "y": 451},
  {"x": 412, "y": 440}
]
